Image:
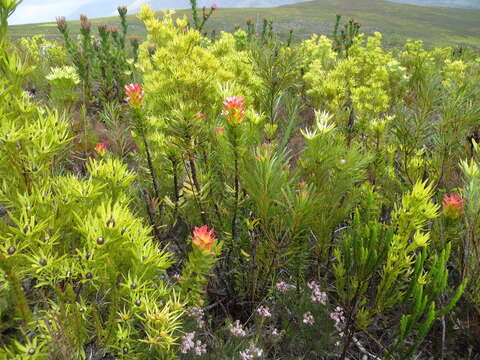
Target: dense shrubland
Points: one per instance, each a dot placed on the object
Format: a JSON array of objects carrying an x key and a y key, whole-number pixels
[{"x": 231, "y": 196}]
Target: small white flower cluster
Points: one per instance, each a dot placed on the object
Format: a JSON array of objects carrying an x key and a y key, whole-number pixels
[
  {"x": 308, "y": 318},
  {"x": 276, "y": 334},
  {"x": 338, "y": 316},
  {"x": 283, "y": 287},
  {"x": 237, "y": 329},
  {"x": 176, "y": 277},
  {"x": 190, "y": 345},
  {"x": 264, "y": 311},
  {"x": 251, "y": 353},
  {"x": 197, "y": 314},
  {"x": 318, "y": 296}
]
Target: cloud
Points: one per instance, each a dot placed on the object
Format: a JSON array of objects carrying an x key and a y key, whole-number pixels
[
  {"x": 35, "y": 11},
  {"x": 137, "y": 4}
]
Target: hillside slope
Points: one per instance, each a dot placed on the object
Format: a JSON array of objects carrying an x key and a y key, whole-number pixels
[
  {"x": 437, "y": 26},
  {"x": 466, "y": 4}
]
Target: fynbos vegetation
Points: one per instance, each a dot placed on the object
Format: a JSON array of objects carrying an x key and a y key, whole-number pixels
[{"x": 236, "y": 196}]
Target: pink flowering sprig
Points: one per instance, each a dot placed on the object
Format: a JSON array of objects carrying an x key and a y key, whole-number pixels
[
  {"x": 234, "y": 111},
  {"x": 206, "y": 14},
  {"x": 338, "y": 316},
  {"x": 264, "y": 312},
  {"x": 237, "y": 330},
  {"x": 191, "y": 346},
  {"x": 308, "y": 318},
  {"x": 317, "y": 296},
  {"x": 134, "y": 97},
  {"x": 79, "y": 52},
  {"x": 198, "y": 315},
  {"x": 283, "y": 287},
  {"x": 251, "y": 353},
  {"x": 206, "y": 249}
]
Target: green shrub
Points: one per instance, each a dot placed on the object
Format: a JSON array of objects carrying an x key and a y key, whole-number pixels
[
  {"x": 80, "y": 272},
  {"x": 237, "y": 196},
  {"x": 63, "y": 82}
]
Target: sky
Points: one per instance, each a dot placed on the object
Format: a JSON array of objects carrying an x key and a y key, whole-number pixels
[
  {"x": 32, "y": 11},
  {"x": 37, "y": 11}
]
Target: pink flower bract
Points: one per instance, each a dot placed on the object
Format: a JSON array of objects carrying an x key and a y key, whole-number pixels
[
  {"x": 134, "y": 94},
  {"x": 101, "y": 148},
  {"x": 234, "y": 107},
  {"x": 204, "y": 239},
  {"x": 453, "y": 206}
]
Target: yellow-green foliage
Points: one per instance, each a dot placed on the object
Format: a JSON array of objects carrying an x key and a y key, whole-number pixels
[
  {"x": 454, "y": 73},
  {"x": 294, "y": 162},
  {"x": 181, "y": 76},
  {"x": 318, "y": 51},
  {"x": 42, "y": 55},
  {"x": 37, "y": 48},
  {"x": 92, "y": 267},
  {"x": 470, "y": 254},
  {"x": 416, "y": 59},
  {"x": 409, "y": 222},
  {"x": 234, "y": 59},
  {"x": 380, "y": 267},
  {"x": 63, "y": 83},
  {"x": 335, "y": 170},
  {"x": 68, "y": 232},
  {"x": 361, "y": 80}
]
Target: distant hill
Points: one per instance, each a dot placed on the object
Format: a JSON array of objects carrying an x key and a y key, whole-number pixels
[
  {"x": 466, "y": 4},
  {"x": 437, "y": 26}
]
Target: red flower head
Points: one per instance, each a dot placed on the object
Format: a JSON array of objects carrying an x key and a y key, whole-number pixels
[
  {"x": 134, "y": 95},
  {"x": 452, "y": 206},
  {"x": 101, "y": 148},
  {"x": 234, "y": 107},
  {"x": 200, "y": 116},
  {"x": 214, "y": 6},
  {"x": 220, "y": 131},
  {"x": 204, "y": 239}
]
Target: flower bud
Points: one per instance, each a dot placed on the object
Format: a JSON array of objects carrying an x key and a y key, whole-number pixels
[
  {"x": 122, "y": 10},
  {"x": 62, "y": 23}
]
